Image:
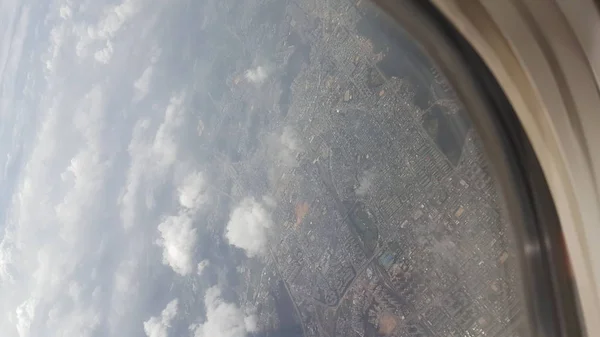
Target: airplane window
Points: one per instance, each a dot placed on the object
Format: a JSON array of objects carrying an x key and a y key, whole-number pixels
[{"x": 276, "y": 168}]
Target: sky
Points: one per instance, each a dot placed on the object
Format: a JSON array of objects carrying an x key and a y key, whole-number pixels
[{"x": 102, "y": 198}]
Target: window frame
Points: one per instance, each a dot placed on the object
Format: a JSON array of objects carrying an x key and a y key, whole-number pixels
[{"x": 549, "y": 286}]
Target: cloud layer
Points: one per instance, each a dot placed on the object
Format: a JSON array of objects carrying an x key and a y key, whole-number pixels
[
  {"x": 104, "y": 192},
  {"x": 88, "y": 143}
]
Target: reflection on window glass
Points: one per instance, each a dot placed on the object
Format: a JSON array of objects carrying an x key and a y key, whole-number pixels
[{"x": 229, "y": 168}]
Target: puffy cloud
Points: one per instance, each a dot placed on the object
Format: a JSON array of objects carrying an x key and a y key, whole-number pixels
[
  {"x": 269, "y": 201},
  {"x": 287, "y": 147},
  {"x": 153, "y": 154},
  {"x": 116, "y": 17},
  {"x": 65, "y": 12},
  {"x": 153, "y": 158},
  {"x": 105, "y": 54},
  {"x": 178, "y": 240},
  {"x": 159, "y": 326},
  {"x": 192, "y": 192},
  {"x": 289, "y": 140},
  {"x": 87, "y": 168},
  {"x": 136, "y": 176},
  {"x": 284, "y": 149},
  {"x": 58, "y": 35},
  {"x": 24, "y": 316},
  {"x": 365, "y": 183},
  {"x": 74, "y": 315},
  {"x": 223, "y": 319},
  {"x": 153, "y": 162},
  {"x": 202, "y": 265},
  {"x": 142, "y": 84},
  {"x": 257, "y": 75},
  {"x": 247, "y": 227},
  {"x": 177, "y": 235},
  {"x": 164, "y": 148},
  {"x": 105, "y": 30}
]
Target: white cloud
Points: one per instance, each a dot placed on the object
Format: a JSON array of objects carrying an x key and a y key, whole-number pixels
[
  {"x": 269, "y": 201},
  {"x": 165, "y": 147},
  {"x": 192, "y": 192},
  {"x": 87, "y": 168},
  {"x": 65, "y": 12},
  {"x": 115, "y": 18},
  {"x": 223, "y": 319},
  {"x": 73, "y": 316},
  {"x": 365, "y": 183},
  {"x": 57, "y": 36},
  {"x": 127, "y": 284},
  {"x": 24, "y": 316},
  {"x": 257, "y": 75},
  {"x": 159, "y": 326},
  {"x": 153, "y": 161},
  {"x": 140, "y": 157},
  {"x": 58, "y": 228},
  {"x": 247, "y": 227},
  {"x": 52, "y": 226},
  {"x": 178, "y": 240},
  {"x": 142, "y": 84},
  {"x": 284, "y": 151},
  {"x": 153, "y": 155},
  {"x": 202, "y": 265},
  {"x": 67, "y": 267},
  {"x": 99, "y": 37},
  {"x": 105, "y": 54},
  {"x": 290, "y": 147}
]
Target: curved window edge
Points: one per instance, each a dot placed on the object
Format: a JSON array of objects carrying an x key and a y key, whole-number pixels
[{"x": 549, "y": 289}]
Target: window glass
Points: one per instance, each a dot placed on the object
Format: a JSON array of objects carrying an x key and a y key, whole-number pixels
[{"x": 241, "y": 168}]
